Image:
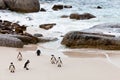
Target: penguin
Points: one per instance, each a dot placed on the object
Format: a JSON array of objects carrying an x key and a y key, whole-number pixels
[
  {"x": 19, "y": 57},
  {"x": 12, "y": 67},
  {"x": 26, "y": 65},
  {"x": 38, "y": 52},
  {"x": 53, "y": 59},
  {"x": 59, "y": 62}
]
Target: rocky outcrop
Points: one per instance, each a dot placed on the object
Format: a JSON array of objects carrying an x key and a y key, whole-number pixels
[
  {"x": 2, "y": 4},
  {"x": 23, "y": 5},
  {"x": 14, "y": 35},
  {"x": 14, "y": 30},
  {"x": 81, "y": 16},
  {"x": 7, "y": 27},
  {"x": 102, "y": 37},
  {"x": 79, "y": 39},
  {"x": 47, "y": 26}
]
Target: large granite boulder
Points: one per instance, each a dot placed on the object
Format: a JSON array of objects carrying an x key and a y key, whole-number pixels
[
  {"x": 26, "y": 39},
  {"x": 8, "y": 41},
  {"x": 2, "y": 4},
  {"x": 77, "y": 39},
  {"x": 23, "y": 5}
]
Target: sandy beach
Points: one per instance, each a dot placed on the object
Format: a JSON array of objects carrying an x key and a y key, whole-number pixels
[{"x": 95, "y": 67}]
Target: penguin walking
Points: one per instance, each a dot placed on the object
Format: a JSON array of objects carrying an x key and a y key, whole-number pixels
[
  {"x": 19, "y": 57},
  {"x": 38, "y": 52},
  {"x": 12, "y": 67},
  {"x": 26, "y": 65},
  {"x": 53, "y": 59},
  {"x": 59, "y": 62}
]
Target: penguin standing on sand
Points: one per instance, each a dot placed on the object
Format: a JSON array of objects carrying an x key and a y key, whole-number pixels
[
  {"x": 12, "y": 67},
  {"x": 26, "y": 65},
  {"x": 19, "y": 57},
  {"x": 53, "y": 59},
  {"x": 59, "y": 62},
  {"x": 38, "y": 52}
]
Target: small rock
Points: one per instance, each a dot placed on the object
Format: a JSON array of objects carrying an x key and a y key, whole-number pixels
[
  {"x": 38, "y": 35},
  {"x": 57, "y": 7},
  {"x": 67, "y": 6},
  {"x": 64, "y": 16},
  {"x": 81, "y": 16},
  {"x": 43, "y": 10},
  {"x": 47, "y": 39},
  {"x": 47, "y": 26},
  {"x": 99, "y": 7},
  {"x": 75, "y": 16}
]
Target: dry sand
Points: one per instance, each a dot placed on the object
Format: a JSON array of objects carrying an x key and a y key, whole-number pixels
[{"x": 89, "y": 68}]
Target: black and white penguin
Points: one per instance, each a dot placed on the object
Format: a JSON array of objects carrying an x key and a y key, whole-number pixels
[
  {"x": 19, "y": 57},
  {"x": 59, "y": 62},
  {"x": 53, "y": 59},
  {"x": 26, "y": 65},
  {"x": 12, "y": 67}
]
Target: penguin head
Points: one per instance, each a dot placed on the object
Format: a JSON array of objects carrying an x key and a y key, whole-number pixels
[{"x": 11, "y": 63}]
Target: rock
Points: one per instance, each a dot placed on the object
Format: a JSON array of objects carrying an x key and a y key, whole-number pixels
[
  {"x": 7, "y": 41},
  {"x": 2, "y": 4},
  {"x": 32, "y": 39},
  {"x": 99, "y": 7},
  {"x": 6, "y": 23},
  {"x": 64, "y": 16},
  {"x": 5, "y": 31},
  {"x": 67, "y": 6},
  {"x": 81, "y": 16},
  {"x": 86, "y": 16},
  {"x": 18, "y": 29},
  {"x": 26, "y": 39},
  {"x": 57, "y": 7},
  {"x": 47, "y": 26},
  {"x": 23, "y": 5},
  {"x": 43, "y": 10},
  {"x": 75, "y": 16},
  {"x": 105, "y": 27},
  {"x": 47, "y": 39},
  {"x": 7, "y": 27},
  {"x": 77, "y": 39},
  {"x": 38, "y": 35}
]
